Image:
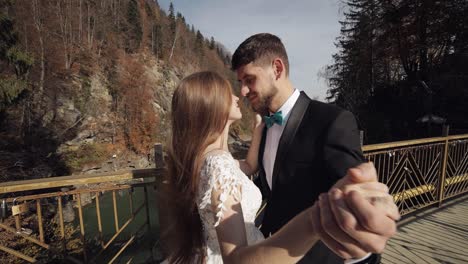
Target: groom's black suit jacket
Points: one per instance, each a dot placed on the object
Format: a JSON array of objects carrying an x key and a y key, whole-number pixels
[{"x": 319, "y": 143}]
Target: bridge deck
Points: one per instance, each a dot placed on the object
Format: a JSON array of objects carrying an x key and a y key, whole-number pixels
[{"x": 438, "y": 235}]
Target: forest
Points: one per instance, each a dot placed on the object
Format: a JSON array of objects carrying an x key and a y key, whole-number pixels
[
  {"x": 85, "y": 81},
  {"x": 85, "y": 85},
  {"x": 401, "y": 67}
]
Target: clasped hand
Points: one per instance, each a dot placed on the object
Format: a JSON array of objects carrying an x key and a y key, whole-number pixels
[{"x": 357, "y": 215}]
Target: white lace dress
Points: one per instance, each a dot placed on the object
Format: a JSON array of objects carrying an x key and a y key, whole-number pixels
[{"x": 220, "y": 170}]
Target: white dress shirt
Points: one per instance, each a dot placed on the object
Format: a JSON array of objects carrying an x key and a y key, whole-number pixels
[{"x": 274, "y": 135}]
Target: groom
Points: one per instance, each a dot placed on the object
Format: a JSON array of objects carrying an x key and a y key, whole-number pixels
[{"x": 306, "y": 146}]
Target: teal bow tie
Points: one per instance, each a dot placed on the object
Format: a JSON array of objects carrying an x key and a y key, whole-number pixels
[{"x": 272, "y": 119}]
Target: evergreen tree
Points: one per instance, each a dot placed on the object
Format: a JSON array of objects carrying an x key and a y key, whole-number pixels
[
  {"x": 397, "y": 53},
  {"x": 212, "y": 43},
  {"x": 352, "y": 80},
  {"x": 199, "y": 43},
  {"x": 135, "y": 31},
  {"x": 12, "y": 59},
  {"x": 158, "y": 41},
  {"x": 172, "y": 19},
  {"x": 8, "y": 38},
  {"x": 171, "y": 11}
]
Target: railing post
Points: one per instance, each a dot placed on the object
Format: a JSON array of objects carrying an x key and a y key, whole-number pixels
[
  {"x": 62, "y": 225},
  {"x": 82, "y": 230},
  {"x": 158, "y": 163},
  {"x": 39, "y": 219},
  {"x": 17, "y": 223},
  {"x": 361, "y": 137},
  {"x": 158, "y": 155},
  {"x": 445, "y": 131},
  {"x": 98, "y": 214}
]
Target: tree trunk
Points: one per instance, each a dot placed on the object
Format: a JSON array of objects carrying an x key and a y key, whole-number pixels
[
  {"x": 152, "y": 38},
  {"x": 422, "y": 26},
  {"x": 173, "y": 43},
  {"x": 40, "y": 30},
  {"x": 90, "y": 29},
  {"x": 66, "y": 30},
  {"x": 80, "y": 26}
]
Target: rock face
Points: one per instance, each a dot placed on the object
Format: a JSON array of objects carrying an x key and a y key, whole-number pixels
[
  {"x": 68, "y": 213},
  {"x": 238, "y": 147},
  {"x": 66, "y": 112},
  {"x": 98, "y": 125},
  {"x": 81, "y": 132}
]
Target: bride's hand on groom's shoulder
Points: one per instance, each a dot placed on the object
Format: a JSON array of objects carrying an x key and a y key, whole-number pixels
[{"x": 258, "y": 122}]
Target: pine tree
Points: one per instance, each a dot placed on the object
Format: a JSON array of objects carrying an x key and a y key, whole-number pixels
[
  {"x": 352, "y": 80},
  {"x": 199, "y": 43},
  {"x": 399, "y": 52},
  {"x": 11, "y": 85},
  {"x": 171, "y": 11},
  {"x": 212, "y": 43},
  {"x": 172, "y": 19},
  {"x": 135, "y": 31},
  {"x": 158, "y": 40}
]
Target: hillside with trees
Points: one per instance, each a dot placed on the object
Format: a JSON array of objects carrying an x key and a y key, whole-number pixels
[
  {"x": 86, "y": 85},
  {"x": 401, "y": 62}
]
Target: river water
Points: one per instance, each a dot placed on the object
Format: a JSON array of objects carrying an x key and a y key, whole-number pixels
[{"x": 141, "y": 249}]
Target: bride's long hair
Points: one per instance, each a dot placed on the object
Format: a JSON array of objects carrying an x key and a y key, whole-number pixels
[{"x": 200, "y": 112}]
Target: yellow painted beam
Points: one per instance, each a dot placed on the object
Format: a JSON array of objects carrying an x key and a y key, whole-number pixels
[
  {"x": 456, "y": 179},
  {"x": 17, "y": 254},
  {"x": 406, "y": 143},
  {"x": 412, "y": 192},
  {"x": 53, "y": 182}
]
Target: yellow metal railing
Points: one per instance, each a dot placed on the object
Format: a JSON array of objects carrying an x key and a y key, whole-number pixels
[
  {"x": 36, "y": 202},
  {"x": 419, "y": 173},
  {"x": 422, "y": 172},
  {"x": 25, "y": 205}
]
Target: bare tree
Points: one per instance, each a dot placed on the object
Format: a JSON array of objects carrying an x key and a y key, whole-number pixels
[
  {"x": 64, "y": 10},
  {"x": 80, "y": 24},
  {"x": 39, "y": 25},
  {"x": 91, "y": 25},
  {"x": 174, "y": 42}
]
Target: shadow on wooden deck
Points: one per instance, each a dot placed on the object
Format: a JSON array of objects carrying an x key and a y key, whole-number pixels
[{"x": 437, "y": 235}]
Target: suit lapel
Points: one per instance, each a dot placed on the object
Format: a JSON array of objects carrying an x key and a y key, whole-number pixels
[
  {"x": 290, "y": 129},
  {"x": 265, "y": 188}
]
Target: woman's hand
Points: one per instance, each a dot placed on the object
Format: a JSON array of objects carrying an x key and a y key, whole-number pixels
[
  {"x": 258, "y": 122},
  {"x": 250, "y": 165},
  {"x": 363, "y": 179},
  {"x": 357, "y": 216}
]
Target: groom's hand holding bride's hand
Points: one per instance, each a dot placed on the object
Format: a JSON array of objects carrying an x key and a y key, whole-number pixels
[{"x": 357, "y": 215}]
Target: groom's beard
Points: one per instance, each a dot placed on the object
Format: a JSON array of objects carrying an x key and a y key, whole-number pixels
[
  {"x": 263, "y": 103},
  {"x": 261, "y": 108}
]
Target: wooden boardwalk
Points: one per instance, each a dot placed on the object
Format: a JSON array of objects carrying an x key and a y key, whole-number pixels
[{"x": 438, "y": 235}]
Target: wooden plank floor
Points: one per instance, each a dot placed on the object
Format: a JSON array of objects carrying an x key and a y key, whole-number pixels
[{"x": 438, "y": 235}]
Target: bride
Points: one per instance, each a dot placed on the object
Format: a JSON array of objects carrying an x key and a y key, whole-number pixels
[{"x": 210, "y": 204}]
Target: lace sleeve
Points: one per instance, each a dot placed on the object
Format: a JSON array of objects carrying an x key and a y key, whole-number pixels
[{"x": 224, "y": 179}]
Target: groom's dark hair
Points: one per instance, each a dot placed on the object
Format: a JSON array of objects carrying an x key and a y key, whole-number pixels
[{"x": 260, "y": 49}]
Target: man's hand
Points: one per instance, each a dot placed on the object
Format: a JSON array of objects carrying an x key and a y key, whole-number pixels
[
  {"x": 357, "y": 216},
  {"x": 363, "y": 179}
]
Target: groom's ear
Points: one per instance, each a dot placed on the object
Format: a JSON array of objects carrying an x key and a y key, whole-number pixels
[{"x": 278, "y": 67}]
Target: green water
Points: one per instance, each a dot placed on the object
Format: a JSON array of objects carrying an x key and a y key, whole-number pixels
[{"x": 141, "y": 248}]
